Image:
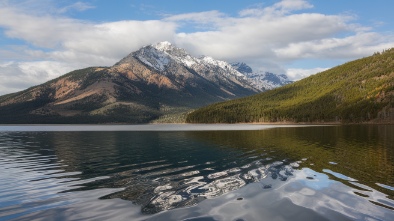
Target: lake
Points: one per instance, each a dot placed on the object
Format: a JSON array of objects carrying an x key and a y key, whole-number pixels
[{"x": 197, "y": 172}]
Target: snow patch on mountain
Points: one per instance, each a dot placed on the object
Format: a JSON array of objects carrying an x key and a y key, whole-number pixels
[
  {"x": 177, "y": 54},
  {"x": 262, "y": 80},
  {"x": 153, "y": 58},
  {"x": 267, "y": 81},
  {"x": 222, "y": 64},
  {"x": 163, "y": 46}
]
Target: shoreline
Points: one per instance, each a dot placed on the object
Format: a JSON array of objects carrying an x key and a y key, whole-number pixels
[
  {"x": 373, "y": 122},
  {"x": 160, "y": 127},
  {"x": 145, "y": 127},
  {"x": 242, "y": 123}
]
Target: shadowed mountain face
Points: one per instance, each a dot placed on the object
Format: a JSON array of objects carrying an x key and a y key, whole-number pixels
[{"x": 155, "y": 81}]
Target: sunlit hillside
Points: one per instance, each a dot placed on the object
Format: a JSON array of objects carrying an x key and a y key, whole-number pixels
[{"x": 357, "y": 91}]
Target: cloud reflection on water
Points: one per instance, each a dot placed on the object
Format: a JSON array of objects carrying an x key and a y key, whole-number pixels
[{"x": 278, "y": 173}]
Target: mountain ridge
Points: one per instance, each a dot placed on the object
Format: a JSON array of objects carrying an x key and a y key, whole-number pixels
[
  {"x": 262, "y": 80},
  {"x": 152, "y": 82},
  {"x": 355, "y": 92}
]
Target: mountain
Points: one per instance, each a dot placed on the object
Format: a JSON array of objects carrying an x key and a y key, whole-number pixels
[
  {"x": 242, "y": 68},
  {"x": 157, "y": 81},
  {"x": 262, "y": 80},
  {"x": 357, "y": 91}
]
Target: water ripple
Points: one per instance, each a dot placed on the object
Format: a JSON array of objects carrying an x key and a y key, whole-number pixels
[
  {"x": 32, "y": 182},
  {"x": 161, "y": 170}
]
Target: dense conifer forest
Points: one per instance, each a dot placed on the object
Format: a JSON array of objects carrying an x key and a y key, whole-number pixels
[{"x": 357, "y": 91}]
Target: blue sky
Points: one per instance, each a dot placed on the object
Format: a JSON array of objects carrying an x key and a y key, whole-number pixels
[{"x": 43, "y": 39}]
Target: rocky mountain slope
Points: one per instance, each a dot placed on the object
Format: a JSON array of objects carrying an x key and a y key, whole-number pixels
[
  {"x": 148, "y": 84},
  {"x": 358, "y": 91}
]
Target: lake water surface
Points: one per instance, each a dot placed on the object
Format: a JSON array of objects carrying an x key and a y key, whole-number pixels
[{"x": 197, "y": 172}]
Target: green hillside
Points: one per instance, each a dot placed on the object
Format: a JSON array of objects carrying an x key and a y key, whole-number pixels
[{"x": 357, "y": 91}]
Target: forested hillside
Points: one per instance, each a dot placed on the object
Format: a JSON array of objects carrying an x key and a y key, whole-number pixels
[{"x": 357, "y": 91}]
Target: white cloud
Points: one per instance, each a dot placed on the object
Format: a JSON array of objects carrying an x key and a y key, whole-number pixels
[
  {"x": 60, "y": 33},
  {"x": 44, "y": 70},
  {"x": 279, "y": 9},
  {"x": 198, "y": 17},
  {"x": 358, "y": 45},
  {"x": 291, "y": 5},
  {"x": 17, "y": 76},
  {"x": 117, "y": 39},
  {"x": 296, "y": 74},
  {"x": 41, "y": 31},
  {"x": 79, "y": 6},
  {"x": 260, "y": 37}
]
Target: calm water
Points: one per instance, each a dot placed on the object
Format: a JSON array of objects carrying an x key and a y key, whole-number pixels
[{"x": 188, "y": 172}]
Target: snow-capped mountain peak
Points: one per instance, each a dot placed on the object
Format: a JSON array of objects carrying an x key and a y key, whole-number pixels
[
  {"x": 175, "y": 53},
  {"x": 163, "y": 46},
  {"x": 212, "y": 61},
  {"x": 159, "y": 56},
  {"x": 152, "y": 57},
  {"x": 167, "y": 59}
]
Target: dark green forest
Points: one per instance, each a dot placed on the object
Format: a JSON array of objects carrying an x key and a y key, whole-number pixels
[{"x": 357, "y": 91}]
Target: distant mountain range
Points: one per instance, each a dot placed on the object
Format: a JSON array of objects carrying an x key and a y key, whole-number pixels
[
  {"x": 358, "y": 91},
  {"x": 262, "y": 80},
  {"x": 158, "y": 81}
]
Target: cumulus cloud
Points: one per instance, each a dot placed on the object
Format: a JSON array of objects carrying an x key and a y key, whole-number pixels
[
  {"x": 117, "y": 39},
  {"x": 16, "y": 76},
  {"x": 280, "y": 8},
  {"x": 259, "y": 36},
  {"x": 296, "y": 74},
  {"x": 354, "y": 46},
  {"x": 60, "y": 33},
  {"x": 267, "y": 38}
]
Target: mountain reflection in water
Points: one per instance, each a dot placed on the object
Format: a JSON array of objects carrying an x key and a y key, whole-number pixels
[{"x": 161, "y": 170}]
